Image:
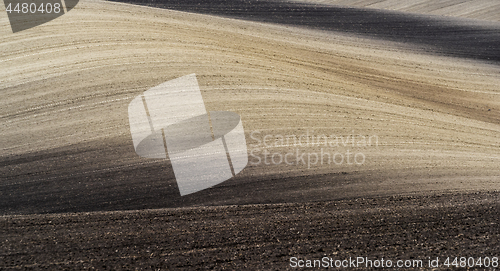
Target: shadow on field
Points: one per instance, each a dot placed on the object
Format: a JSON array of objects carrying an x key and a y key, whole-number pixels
[{"x": 448, "y": 36}]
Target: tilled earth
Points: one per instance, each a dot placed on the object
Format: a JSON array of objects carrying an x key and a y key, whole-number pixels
[
  {"x": 75, "y": 195},
  {"x": 265, "y": 237}
]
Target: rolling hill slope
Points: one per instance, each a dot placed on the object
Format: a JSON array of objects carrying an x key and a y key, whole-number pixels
[{"x": 74, "y": 194}]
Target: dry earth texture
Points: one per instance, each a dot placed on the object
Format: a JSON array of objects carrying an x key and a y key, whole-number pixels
[{"x": 66, "y": 145}]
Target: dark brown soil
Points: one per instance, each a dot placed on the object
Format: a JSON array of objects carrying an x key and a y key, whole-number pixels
[{"x": 257, "y": 237}]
